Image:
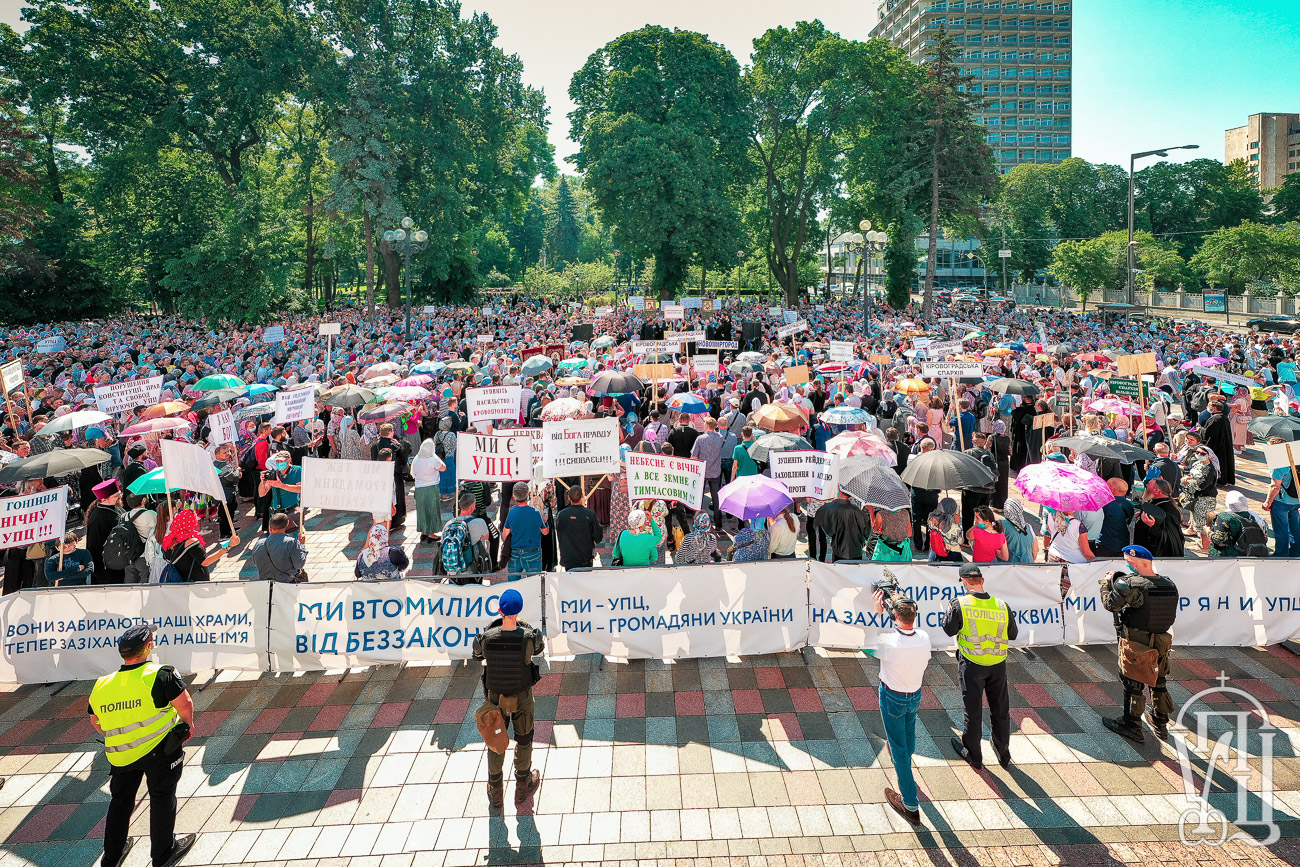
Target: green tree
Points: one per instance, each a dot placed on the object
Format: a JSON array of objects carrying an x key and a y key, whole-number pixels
[
  {"x": 566, "y": 233},
  {"x": 1238, "y": 256},
  {"x": 1085, "y": 266},
  {"x": 900, "y": 262},
  {"x": 1184, "y": 201},
  {"x": 1286, "y": 200},
  {"x": 661, "y": 128},
  {"x": 20, "y": 206}
]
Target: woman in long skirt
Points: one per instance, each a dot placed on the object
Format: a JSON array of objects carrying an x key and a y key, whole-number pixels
[
  {"x": 447, "y": 437},
  {"x": 427, "y": 469}
]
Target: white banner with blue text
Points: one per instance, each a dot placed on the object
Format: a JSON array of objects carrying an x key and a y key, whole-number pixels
[
  {"x": 728, "y": 609},
  {"x": 355, "y": 623}
]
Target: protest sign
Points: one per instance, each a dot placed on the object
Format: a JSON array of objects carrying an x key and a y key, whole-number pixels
[
  {"x": 125, "y": 396},
  {"x": 920, "y": 342},
  {"x": 12, "y": 373},
  {"x": 841, "y": 350},
  {"x": 188, "y": 467},
  {"x": 295, "y": 405},
  {"x": 674, "y": 311},
  {"x": 660, "y": 477},
  {"x": 1044, "y": 419},
  {"x": 1281, "y": 455},
  {"x": 221, "y": 427},
  {"x": 32, "y": 518},
  {"x": 429, "y": 308},
  {"x": 486, "y": 338},
  {"x": 1132, "y": 365},
  {"x": 1129, "y": 388},
  {"x": 604, "y": 311},
  {"x": 706, "y": 363},
  {"x": 329, "y": 328},
  {"x": 940, "y": 348},
  {"x": 789, "y": 316},
  {"x": 880, "y": 358},
  {"x": 774, "y": 312},
  {"x": 52, "y": 344},
  {"x": 723, "y": 610},
  {"x": 685, "y": 336},
  {"x": 1221, "y": 376},
  {"x": 580, "y": 447},
  {"x": 487, "y": 458},
  {"x": 794, "y": 328},
  {"x": 321, "y": 626},
  {"x": 654, "y": 372},
  {"x": 952, "y": 369},
  {"x": 347, "y": 486},
  {"x": 967, "y": 325},
  {"x": 796, "y": 375},
  {"x": 273, "y": 334},
  {"x": 719, "y": 344},
  {"x": 692, "y": 301},
  {"x": 493, "y": 403},
  {"x": 532, "y": 434},
  {"x": 945, "y": 319},
  {"x": 636, "y": 302},
  {"x": 807, "y": 473}
]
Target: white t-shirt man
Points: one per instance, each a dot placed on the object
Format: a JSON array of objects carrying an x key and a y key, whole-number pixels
[{"x": 903, "y": 656}]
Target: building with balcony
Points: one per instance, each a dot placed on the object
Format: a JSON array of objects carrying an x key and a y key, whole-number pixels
[
  {"x": 1270, "y": 145},
  {"x": 1018, "y": 55}
]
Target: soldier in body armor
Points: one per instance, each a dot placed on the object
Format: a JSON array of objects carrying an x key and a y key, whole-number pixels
[
  {"x": 507, "y": 649},
  {"x": 1145, "y": 604}
]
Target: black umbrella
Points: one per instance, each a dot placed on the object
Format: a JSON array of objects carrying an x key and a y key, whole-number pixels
[
  {"x": 873, "y": 484},
  {"x": 221, "y": 395},
  {"x": 1058, "y": 349},
  {"x": 942, "y": 469},
  {"x": 348, "y": 396},
  {"x": 53, "y": 463},
  {"x": 1006, "y": 385},
  {"x": 1275, "y": 426},
  {"x": 776, "y": 441},
  {"x": 1104, "y": 447},
  {"x": 615, "y": 382}
]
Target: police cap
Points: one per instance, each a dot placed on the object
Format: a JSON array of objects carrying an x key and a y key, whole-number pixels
[
  {"x": 134, "y": 640},
  {"x": 970, "y": 570}
]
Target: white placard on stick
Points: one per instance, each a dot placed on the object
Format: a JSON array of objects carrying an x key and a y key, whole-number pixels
[
  {"x": 793, "y": 328},
  {"x": 221, "y": 427},
  {"x": 12, "y": 374},
  {"x": 493, "y": 403},
  {"x": 126, "y": 396},
  {"x": 188, "y": 467},
  {"x": 486, "y": 338},
  {"x": 841, "y": 350},
  {"x": 1277, "y": 458},
  {"x": 487, "y": 458},
  {"x": 295, "y": 405},
  {"x": 660, "y": 477},
  {"x": 580, "y": 447},
  {"x": 940, "y": 348},
  {"x": 273, "y": 334},
  {"x": 807, "y": 473},
  {"x": 952, "y": 369},
  {"x": 328, "y": 328},
  {"x": 347, "y": 486},
  {"x": 39, "y": 517}
]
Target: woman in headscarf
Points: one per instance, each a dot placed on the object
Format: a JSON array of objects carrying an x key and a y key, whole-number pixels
[
  {"x": 1022, "y": 542},
  {"x": 378, "y": 559},
  {"x": 700, "y": 545},
  {"x": 1239, "y": 415},
  {"x": 183, "y": 548},
  {"x": 1199, "y": 492},
  {"x": 945, "y": 532},
  {"x": 427, "y": 468},
  {"x": 750, "y": 545},
  {"x": 1000, "y": 445},
  {"x": 638, "y": 545},
  {"x": 351, "y": 447},
  {"x": 446, "y": 439}
]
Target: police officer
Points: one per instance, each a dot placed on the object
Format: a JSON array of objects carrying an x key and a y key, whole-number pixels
[
  {"x": 145, "y": 714},
  {"x": 507, "y": 649},
  {"x": 984, "y": 627},
  {"x": 1145, "y": 604}
]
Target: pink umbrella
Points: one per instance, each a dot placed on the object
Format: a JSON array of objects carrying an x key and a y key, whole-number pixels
[
  {"x": 156, "y": 425},
  {"x": 1063, "y": 486},
  {"x": 1202, "y": 362},
  {"x": 1115, "y": 406},
  {"x": 857, "y": 442},
  {"x": 418, "y": 379}
]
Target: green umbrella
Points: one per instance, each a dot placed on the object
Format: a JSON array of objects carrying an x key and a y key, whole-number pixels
[
  {"x": 218, "y": 380},
  {"x": 151, "y": 482}
]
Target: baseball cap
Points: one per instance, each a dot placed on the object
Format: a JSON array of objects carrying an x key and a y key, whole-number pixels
[
  {"x": 134, "y": 639},
  {"x": 511, "y": 602},
  {"x": 970, "y": 570}
]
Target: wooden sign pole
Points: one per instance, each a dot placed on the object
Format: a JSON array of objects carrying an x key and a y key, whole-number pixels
[{"x": 1295, "y": 477}]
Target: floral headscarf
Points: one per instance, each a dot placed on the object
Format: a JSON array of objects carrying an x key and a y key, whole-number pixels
[
  {"x": 1014, "y": 512},
  {"x": 183, "y": 527},
  {"x": 698, "y": 545},
  {"x": 751, "y": 545},
  {"x": 376, "y": 545}
]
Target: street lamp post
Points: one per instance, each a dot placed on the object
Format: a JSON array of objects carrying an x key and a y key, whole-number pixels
[
  {"x": 410, "y": 242},
  {"x": 869, "y": 244},
  {"x": 1133, "y": 158}
]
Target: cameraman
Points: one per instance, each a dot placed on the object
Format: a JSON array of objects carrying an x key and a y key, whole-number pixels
[
  {"x": 903, "y": 655},
  {"x": 280, "y": 485}
]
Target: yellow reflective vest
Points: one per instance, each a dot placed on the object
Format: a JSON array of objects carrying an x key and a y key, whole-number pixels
[
  {"x": 123, "y": 703},
  {"x": 983, "y": 636}
]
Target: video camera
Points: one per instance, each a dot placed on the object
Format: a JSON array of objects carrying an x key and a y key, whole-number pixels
[{"x": 893, "y": 594}]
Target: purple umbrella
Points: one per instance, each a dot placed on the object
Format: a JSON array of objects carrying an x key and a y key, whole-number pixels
[
  {"x": 1203, "y": 362},
  {"x": 754, "y": 497}
]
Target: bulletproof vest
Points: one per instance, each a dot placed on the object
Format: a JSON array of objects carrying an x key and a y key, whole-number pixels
[
  {"x": 1160, "y": 609},
  {"x": 508, "y": 661}
]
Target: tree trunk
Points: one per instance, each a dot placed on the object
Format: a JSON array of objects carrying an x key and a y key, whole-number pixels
[
  {"x": 310, "y": 263},
  {"x": 932, "y": 248},
  {"x": 53, "y": 183},
  {"x": 827, "y": 292},
  {"x": 370, "y": 266}
]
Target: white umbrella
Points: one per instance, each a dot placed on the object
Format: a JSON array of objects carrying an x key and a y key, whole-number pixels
[{"x": 74, "y": 420}]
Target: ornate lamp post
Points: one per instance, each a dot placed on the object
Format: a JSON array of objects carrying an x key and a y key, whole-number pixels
[{"x": 409, "y": 242}]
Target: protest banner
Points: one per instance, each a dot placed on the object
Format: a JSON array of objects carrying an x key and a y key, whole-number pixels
[
  {"x": 967, "y": 325},
  {"x": 51, "y": 344},
  {"x": 1129, "y": 388},
  {"x": 940, "y": 348},
  {"x": 221, "y": 427},
  {"x": 328, "y": 329},
  {"x": 789, "y": 316},
  {"x": 347, "y": 624},
  {"x": 493, "y": 403},
  {"x": 680, "y": 337},
  {"x": 71, "y": 633},
  {"x": 525, "y": 354},
  {"x": 952, "y": 369},
  {"x": 774, "y": 312},
  {"x": 12, "y": 374},
  {"x": 486, "y": 338},
  {"x": 719, "y": 344},
  {"x": 273, "y": 334},
  {"x": 796, "y": 375},
  {"x": 580, "y": 447},
  {"x": 295, "y": 405},
  {"x": 1139, "y": 363},
  {"x": 841, "y": 350},
  {"x": 188, "y": 467},
  {"x": 807, "y": 473},
  {"x": 1222, "y": 376},
  {"x": 840, "y": 601},
  {"x": 706, "y": 363},
  {"x": 692, "y": 301},
  {"x": 32, "y": 518},
  {"x": 121, "y": 397},
  {"x": 636, "y": 302},
  {"x": 487, "y": 458},
  {"x": 648, "y": 347},
  {"x": 660, "y": 477},
  {"x": 674, "y": 311},
  {"x": 793, "y": 328},
  {"x": 724, "y": 610},
  {"x": 347, "y": 486}
]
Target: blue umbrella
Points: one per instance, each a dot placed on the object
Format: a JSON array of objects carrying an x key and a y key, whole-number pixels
[
  {"x": 261, "y": 388},
  {"x": 433, "y": 368},
  {"x": 845, "y": 414},
  {"x": 1016, "y": 345},
  {"x": 688, "y": 403}
]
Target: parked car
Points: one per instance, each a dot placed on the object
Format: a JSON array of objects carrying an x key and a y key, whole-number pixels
[{"x": 1286, "y": 324}]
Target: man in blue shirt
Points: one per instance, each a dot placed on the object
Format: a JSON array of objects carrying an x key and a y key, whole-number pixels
[
  {"x": 283, "y": 481},
  {"x": 967, "y": 420},
  {"x": 524, "y": 529},
  {"x": 1283, "y": 506}
]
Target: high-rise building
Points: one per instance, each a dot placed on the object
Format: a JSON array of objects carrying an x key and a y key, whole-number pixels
[
  {"x": 1270, "y": 145},
  {"x": 1017, "y": 52}
]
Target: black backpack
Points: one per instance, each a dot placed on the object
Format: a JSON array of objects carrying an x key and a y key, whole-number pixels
[
  {"x": 1252, "y": 541},
  {"x": 123, "y": 545},
  {"x": 248, "y": 460}
]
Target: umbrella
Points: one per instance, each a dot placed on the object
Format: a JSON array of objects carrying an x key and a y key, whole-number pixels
[
  {"x": 1058, "y": 349},
  {"x": 563, "y": 408},
  {"x": 1094, "y": 357},
  {"x": 404, "y": 393},
  {"x": 379, "y": 380},
  {"x": 752, "y": 356},
  {"x": 780, "y": 416},
  {"x": 151, "y": 482},
  {"x": 745, "y": 367},
  {"x": 856, "y": 443},
  {"x": 1062, "y": 486},
  {"x": 1015, "y": 344},
  {"x": 461, "y": 367},
  {"x": 776, "y": 441},
  {"x": 155, "y": 426},
  {"x": 257, "y": 409},
  {"x": 383, "y": 412},
  {"x": 691, "y": 404},
  {"x": 754, "y": 497},
  {"x": 603, "y": 341},
  {"x": 659, "y": 358},
  {"x": 1115, "y": 406},
  {"x": 616, "y": 382},
  {"x": 912, "y": 386},
  {"x": 535, "y": 365},
  {"x": 943, "y": 469},
  {"x": 1266, "y": 426},
  {"x": 1202, "y": 362},
  {"x": 999, "y": 352},
  {"x": 432, "y": 368},
  {"x": 221, "y": 395},
  {"x": 167, "y": 407},
  {"x": 1006, "y": 385},
  {"x": 418, "y": 380},
  {"x": 572, "y": 380},
  {"x": 845, "y": 414},
  {"x": 74, "y": 420},
  {"x": 834, "y": 367},
  {"x": 573, "y": 362},
  {"x": 261, "y": 388},
  {"x": 381, "y": 369},
  {"x": 348, "y": 396},
  {"x": 1104, "y": 447},
  {"x": 874, "y": 485},
  {"x": 216, "y": 381},
  {"x": 52, "y": 463}
]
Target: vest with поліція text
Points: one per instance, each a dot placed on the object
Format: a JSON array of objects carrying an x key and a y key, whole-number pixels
[
  {"x": 123, "y": 702},
  {"x": 983, "y": 636}
]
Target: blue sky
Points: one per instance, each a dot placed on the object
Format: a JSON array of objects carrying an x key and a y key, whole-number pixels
[{"x": 1147, "y": 73}]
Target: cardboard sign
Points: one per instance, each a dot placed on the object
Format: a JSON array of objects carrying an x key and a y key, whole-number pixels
[
  {"x": 188, "y": 467},
  {"x": 807, "y": 473},
  {"x": 841, "y": 350},
  {"x": 940, "y": 348},
  {"x": 296, "y": 405},
  {"x": 952, "y": 369},
  {"x": 1280, "y": 455},
  {"x": 39, "y": 517},
  {"x": 328, "y": 328},
  {"x": 662, "y": 477},
  {"x": 347, "y": 486},
  {"x": 221, "y": 427},
  {"x": 486, "y": 338},
  {"x": 1046, "y": 419},
  {"x": 796, "y": 375},
  {"x": 493, "y": 403},
  {"x": 581, "y": 447},
  {"x": 1133, "y": 365},
  {"x": 880, "y": 358},
  {"x": 273, "y": 334},
  {"x": 126, "y": 396},
  {"x": 487, "y": 458},
  {"x": 651, "y": 372},
  {"x": 12, "y": 373}
]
